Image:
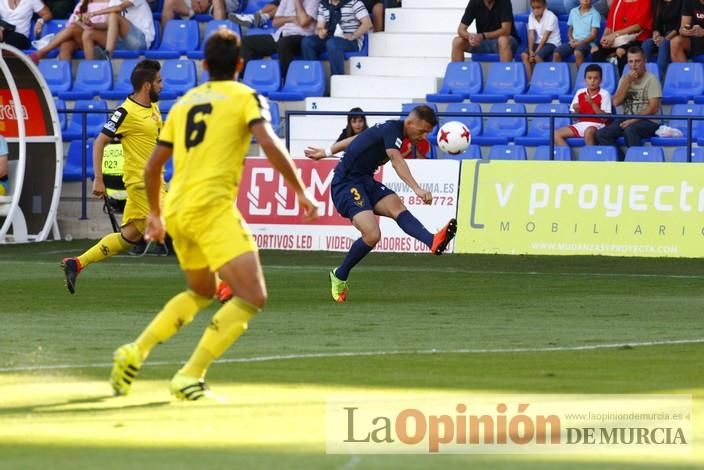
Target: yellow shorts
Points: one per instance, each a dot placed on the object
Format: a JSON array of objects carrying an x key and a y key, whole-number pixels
[
  {"x": 137, "y": 206},
  {"x": 209, "y": 238}
]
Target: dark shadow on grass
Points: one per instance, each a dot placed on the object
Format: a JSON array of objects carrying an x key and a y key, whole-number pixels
[{"x": 51, "y": 408}]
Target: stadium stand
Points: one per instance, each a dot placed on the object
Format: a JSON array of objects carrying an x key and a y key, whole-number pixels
[
  {"x": 507, "y": 152},
  {"x": 609, "y": 79},
  {"x": 263, "y": 75},
  {"x": 461, "y": 80},
  {"x": 681, "y": 125},
  {"x": 680, "y": 155},
  {"x": 560, "y": 153},
  {"x": 94, "y": 121},
  {"x": 73, "y": 164},
  {"x": 304, "y": 78},
  {"x": 500, "y": 131},
  {"x": 598, "y": 153},
  {"x": 684, "y": 81},
  {"x": 504, "y": 80},
  {"x": 179, "y": 38},
  {"x": 122, "y": 85},
  {"x": 539, "y": 128},
  {"x": 211, "y": 27},
  {"x": 549, "y": 81},
  {"x": 179, "y": 76},
  {"x": 58, "y": 75},
  {"x": 92, "y": 78}
]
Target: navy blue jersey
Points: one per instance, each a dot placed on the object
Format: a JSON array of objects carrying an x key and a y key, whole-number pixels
[{"x": 368, "y": 150}]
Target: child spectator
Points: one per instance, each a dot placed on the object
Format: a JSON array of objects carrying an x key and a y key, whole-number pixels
[
  {"x": 583, "y": 26},
  {"x": 590, "y": 100},
  {"x": 666, "y": 23},
  {"x": 543, "y": 26}
]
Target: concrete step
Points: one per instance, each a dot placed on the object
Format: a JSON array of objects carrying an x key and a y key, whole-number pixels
[
  {"x": 411, "y": 45},
  {"x": 345, "y": 104},
  {"x": 381, "y": 87},
  {"x": 428, "y": 20},
  {"x": 399, "y": 67},
  {"x": 324, "y": 127}
]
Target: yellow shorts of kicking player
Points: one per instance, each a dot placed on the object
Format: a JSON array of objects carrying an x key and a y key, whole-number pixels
[
  {"x": 209, "y": 238},
  {"x": 137, "y": 206}
]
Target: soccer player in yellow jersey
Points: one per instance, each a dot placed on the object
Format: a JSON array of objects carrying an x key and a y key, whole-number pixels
[
  {"x": 137, "y": 122},
  {"x": 208, "y": 133}
]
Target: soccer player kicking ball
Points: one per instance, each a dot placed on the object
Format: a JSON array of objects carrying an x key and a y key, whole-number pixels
[
  {"x": 208, "y": 132},
  {"x": 359, "y": 197},
  {"x": 138, "y": 122}
]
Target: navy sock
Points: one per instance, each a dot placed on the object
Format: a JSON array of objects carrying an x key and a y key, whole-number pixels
[
  {"x": 414, "y": 228},
  {"x": 358, "y": 250}
]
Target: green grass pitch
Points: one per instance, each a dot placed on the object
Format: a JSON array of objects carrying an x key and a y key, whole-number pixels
[{"x": 474, "y": 311}]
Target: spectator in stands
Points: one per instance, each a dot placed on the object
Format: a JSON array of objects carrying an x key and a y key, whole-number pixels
[
  {"x": 294, "y": 19},
  {"x": 583, "y": 26},
  {"x": 60, "y": 9},
  {"x": 70, "y": 39},
  {"x": 4, "y": 183},
  {"x": 590, "y": 100},
  {"x": 543, "y": 27},
  {"x": 629, "y": 24},
  {"x": 690, "y": 41},
  {"x": 496, "y": 32},
  {"x": 667, "y": 17},
  {"x": 130, "y": 26},
  {"x": 376, "y": 13},
  {"x": 356, "y": 123},
  {"x": 341, "y": 28},
  {"x": 16, "y": 17},
  {"x": 187, "y": 8},
  {"x": 258, "y": 19},
  {"x": 639, "y": 92}
]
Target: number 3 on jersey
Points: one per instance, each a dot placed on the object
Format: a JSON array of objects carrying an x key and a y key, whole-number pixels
[{"x": 195, "y": 124}]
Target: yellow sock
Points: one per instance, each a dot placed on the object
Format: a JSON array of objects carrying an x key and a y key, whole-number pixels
[
  {"x": 227, "y": 325},
  {"x": 108, "y": 246},
  {"x": 178, "y": 312}
]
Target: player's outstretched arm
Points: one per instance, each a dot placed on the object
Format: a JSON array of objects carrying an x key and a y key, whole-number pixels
[
  {"x": 152, "y": 180},
  {"x": 315, "y": 153},
  {"x": 401, "y": 168},
  {"x": 282, "y": 162},
  {"x": 98, "y": 146}
]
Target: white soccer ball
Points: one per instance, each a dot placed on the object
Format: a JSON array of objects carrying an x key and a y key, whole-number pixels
[{"x": 454, "y": 137}]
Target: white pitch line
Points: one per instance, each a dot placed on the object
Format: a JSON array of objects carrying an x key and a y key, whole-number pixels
[{"x": 288, "y": 357}]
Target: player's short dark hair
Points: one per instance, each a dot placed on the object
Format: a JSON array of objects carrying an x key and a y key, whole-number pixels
[
  {"x": 222, "y": 52},
  {"x": 636, "y": 50},
  {"x": 593, "y": 68},
  {"x": 425, "y": 113},
  {"x": 144, "y": 72}
]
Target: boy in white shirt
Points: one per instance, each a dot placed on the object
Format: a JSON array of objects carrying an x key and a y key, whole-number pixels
[{"x": 543, "y": 26}]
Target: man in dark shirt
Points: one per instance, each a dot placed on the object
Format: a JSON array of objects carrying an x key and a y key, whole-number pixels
[
  {"x": 690, "y": 41},
  {"x": 359, "y": 197},
  {"x": 496, "y": 32}
]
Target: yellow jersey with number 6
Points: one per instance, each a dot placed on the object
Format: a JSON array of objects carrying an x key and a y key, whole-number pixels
[{"x": 208, "y": 131}]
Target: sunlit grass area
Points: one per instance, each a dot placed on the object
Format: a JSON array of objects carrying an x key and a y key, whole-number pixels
[{"x": 469, "y": 325}]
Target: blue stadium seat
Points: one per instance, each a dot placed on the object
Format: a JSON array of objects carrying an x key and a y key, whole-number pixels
[
  {"x": 58, "y": 74},
  {"x": 564, "y": 27},
  {"x": 645, "y": 154},
  {"x": 275, "y": 117},
  {"x": 169, "y": 170},
  {"x": 74, "y": 163},
  {"x": 680, "y": 155},
  {"x": 504, "y": 80},
  {"x": 473, "y": 152},
  {"x": 92, "y": 77},
  {"x": 609, "y": 80},
  {"x": 263, "y": 75},
  {"x": 681, "y": 124},
  {"x": 179, "y": 37},
  {"x": 549, "y": 81},
  {"x": 539, "y": 128},
  {"x": 179, "y": 76},
  {"x": 213, "y": 26},
  {"x": 254, "y": 5},
  {"x": 683, "y": 81},
  {"x": 507, "y": 152},
  {"x": 408, "y": 107},
  {"x": 474, "y": 123},
  {"x": 559, "y": 153},
  {"x": 501, "y": 130},
  {"x": 122, "y": 86},
  {"x": 61, "y": 106},
  {"x": 598, "y": 153},
  {"x": 94, "y": 121},
  {"x": 461, "y": 80},
  {"x": 165, "y": 106},
  {"x": 304, "y": 78},
  {"x": 204, "y": 77}
]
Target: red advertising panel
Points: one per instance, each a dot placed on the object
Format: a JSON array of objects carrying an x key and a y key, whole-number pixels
[{"x": 34, "y": 123}]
